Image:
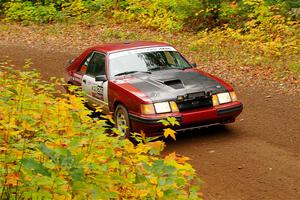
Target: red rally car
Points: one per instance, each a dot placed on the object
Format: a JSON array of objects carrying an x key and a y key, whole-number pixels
[{"x": 143, "y": 82}]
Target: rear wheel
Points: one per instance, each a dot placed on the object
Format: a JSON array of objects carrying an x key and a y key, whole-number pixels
[{"x": 122, "y": 120}]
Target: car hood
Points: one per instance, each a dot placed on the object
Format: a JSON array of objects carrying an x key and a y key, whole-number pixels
[{"x": 168, "y": 84}]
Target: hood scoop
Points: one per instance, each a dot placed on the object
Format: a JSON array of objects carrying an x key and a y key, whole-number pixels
[{"x": 176, "y": 83}]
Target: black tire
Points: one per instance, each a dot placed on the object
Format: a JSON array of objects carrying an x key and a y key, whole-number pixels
[{"x": 121, "y": 119}]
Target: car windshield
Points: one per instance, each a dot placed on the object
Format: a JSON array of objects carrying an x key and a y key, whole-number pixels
[{"x": 145, "y": 60}]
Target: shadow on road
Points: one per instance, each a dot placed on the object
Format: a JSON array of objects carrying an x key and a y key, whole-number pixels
[{"x": 214, "y": 133}]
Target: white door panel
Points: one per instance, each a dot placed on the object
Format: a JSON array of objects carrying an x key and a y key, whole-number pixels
[
  {"x": 105, "y": 91},
  {"x": 96, "y": 91},
  {"x": 87, "y": 85}
]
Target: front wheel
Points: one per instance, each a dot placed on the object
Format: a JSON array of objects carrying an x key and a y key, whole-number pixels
[{"x": 122, "y": 120}]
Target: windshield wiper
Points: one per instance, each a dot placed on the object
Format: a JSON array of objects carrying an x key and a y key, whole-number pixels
[
  {"x": 162, "y": 68},
  {"x": 131, "y": 72},
  {"x": 156, "y": 68},
  {"x": 186, "y": 68}
]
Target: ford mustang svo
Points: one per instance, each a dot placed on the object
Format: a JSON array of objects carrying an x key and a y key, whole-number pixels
[{"x": 140, "y": 83}]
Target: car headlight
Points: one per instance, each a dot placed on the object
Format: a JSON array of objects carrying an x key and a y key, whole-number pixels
[
  {"x": 161, "y": 107},
  {"x": 224, "y": 97}
]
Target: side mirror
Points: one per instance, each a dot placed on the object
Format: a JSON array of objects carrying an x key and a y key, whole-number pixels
[
  {"x": 100, "y": 78},
  {"x": 194, "y": 65}
]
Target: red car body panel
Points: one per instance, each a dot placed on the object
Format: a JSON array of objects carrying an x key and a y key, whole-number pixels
[
  {"x": 190, "y": 119},
  {"x": 120, "y": 91},
  {"x": 133, "y": 96}
]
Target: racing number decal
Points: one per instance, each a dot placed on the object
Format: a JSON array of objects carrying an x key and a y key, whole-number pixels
[{"x": 98, "y": 91}]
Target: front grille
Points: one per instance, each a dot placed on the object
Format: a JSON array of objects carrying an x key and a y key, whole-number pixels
[{"x": 202, "y": 102}]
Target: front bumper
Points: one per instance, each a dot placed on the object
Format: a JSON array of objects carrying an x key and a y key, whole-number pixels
[{"x": 191, "y": 119}]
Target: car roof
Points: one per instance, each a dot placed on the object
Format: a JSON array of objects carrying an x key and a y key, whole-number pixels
[{"x": 111, "y": 47}]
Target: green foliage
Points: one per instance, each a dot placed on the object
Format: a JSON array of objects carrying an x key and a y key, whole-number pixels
[
  {"x": 161, "y": 14},
  {"x": 267, "y": 45},
  {"x": 51, "y": 149},
  {"x": 254, "y": 33},
  {"x": 171, "y": 15},
  {"x": 27, "y": 11},
  {"x": 74, "y": 9},
  {"x": 43, "y": 12}
]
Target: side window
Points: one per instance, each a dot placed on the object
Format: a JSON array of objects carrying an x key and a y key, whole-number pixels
[
  {"x": 96, "y": 65},
  {"x": 84, "y": 65}
]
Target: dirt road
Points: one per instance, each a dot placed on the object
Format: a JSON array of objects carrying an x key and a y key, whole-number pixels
[{"x": 258, "y": 157}]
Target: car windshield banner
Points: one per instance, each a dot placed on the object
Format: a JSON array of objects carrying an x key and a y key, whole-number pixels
[{"x": 142, "y": 50}]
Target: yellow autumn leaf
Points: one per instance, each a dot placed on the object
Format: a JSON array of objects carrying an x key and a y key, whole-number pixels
[
  {"x": 178, "y": 158},
  {"x": 118, "y": 154},
  {"x": 181, "y": 159},
  {"x": 153, "y": 180},
  {"x": 16, "y": 152},
  {"x": 3, "y": 148},
  {"x": 12, "y": 179},
  {"x": 156, "y": 145},
  {"x": 159, "y": 193},
  {"x": 186, "y": 173},
  {"x": 171, "y": 156},
  {"x": 14, "y": 133},
  {"x": 66, "y": 196},
  {"x": 109, "y": 117},
  {"x": 142, "y": 193},
  {"x": 74, "y": 102},
  {"x": 70, "y": 131},
  {"x": 143, "y": 134},
  {"x": 169, "y": 132},
  {"x": 99, "y": 109},
  {"x": 129, "y": 147}
]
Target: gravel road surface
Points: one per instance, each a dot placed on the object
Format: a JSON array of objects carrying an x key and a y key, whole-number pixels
[{"x": 255, "y": 158}]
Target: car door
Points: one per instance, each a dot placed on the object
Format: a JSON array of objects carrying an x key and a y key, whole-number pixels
[{"x": 96, "y": 91}]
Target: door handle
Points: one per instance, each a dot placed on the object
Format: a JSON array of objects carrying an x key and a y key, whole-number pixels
[{"x": 84, "y": 81}]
